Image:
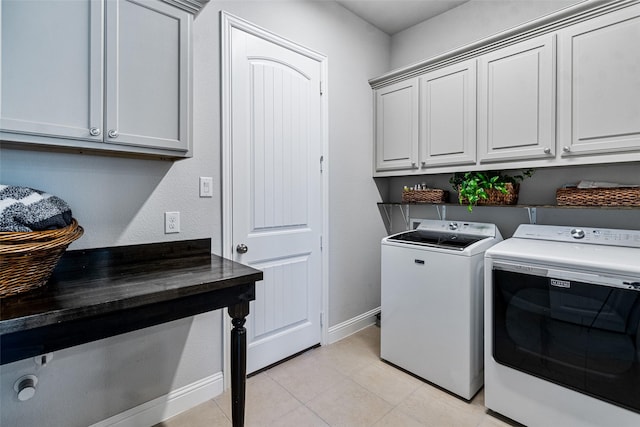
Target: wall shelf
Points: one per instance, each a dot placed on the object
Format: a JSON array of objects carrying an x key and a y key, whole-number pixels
[{"x": 405, "y": 208}]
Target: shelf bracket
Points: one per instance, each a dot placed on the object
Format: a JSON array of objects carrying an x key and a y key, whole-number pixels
[
  {"x": 388, "y": 212},
  {"x": 532, "y": 215},
  {"x": 405, "y": 216}
]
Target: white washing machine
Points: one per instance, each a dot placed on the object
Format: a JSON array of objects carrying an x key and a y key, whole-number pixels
[
  {"x": 562, "y": 335},
  {"x": 431, "y": 302}
]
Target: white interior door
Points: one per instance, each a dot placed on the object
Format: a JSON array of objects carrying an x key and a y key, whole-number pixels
[{"x": 276, "y": 149}]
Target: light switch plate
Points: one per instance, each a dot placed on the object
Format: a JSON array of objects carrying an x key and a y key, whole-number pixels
[{"x": 206, "y": 186}]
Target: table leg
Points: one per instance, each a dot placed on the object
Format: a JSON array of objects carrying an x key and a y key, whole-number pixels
[{"x": 238, "y": 315}]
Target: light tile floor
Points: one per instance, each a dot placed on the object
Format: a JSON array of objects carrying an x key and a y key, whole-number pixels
[{"x": 342, "y": 384}]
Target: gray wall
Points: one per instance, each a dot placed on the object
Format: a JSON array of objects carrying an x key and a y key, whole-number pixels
[
  {"x": 465, "y": 24},
  {"x": 540, "y": 189},
  {"x": 121, "y": 201}
]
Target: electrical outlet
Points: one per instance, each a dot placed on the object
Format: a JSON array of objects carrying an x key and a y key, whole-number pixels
[
  {"x": 206, "y": 186},
  {"x": 171, "y": 222}
]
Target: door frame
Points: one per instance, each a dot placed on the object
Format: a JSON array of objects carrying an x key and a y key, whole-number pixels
[{"x": 227, "y": 23}]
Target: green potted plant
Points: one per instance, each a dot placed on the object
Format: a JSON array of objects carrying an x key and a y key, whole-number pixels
[{"x": 487, "y": 187}]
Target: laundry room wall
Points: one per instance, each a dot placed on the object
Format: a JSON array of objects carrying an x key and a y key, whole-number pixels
[
  {"x": 465, "y": 24},
  {"x": 121, "y": 201},
  {"x": 539, "y": 190}
]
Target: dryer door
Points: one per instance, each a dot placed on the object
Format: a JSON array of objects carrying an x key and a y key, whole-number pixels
[{"x": 565, "y": 328}]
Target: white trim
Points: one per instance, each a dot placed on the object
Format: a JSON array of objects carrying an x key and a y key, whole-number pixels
[
  {"x": 227, "y": 23},
  {"x": 227, "y": 184},
  {"x": 324, "y": 100},
  {"x": 169, "y": 405},
  {"x": 351, "y": 326}
]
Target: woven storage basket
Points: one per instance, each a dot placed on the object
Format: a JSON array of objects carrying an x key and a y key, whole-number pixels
[
  {"x": 27, "y": 259},
  {"x": 621, "y": 196},
  {"x": 431, "y": 195},
  {"x": 496, "y": 197}
]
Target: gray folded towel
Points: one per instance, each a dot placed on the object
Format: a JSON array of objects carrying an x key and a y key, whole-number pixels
[{"x": 26, "y": 209}]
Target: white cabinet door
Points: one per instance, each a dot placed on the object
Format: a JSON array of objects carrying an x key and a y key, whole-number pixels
[
  {"x": 397, "y": 126},
  {"x": 516, "y": 102},
  {"x": 52, "y": 62},
  {"x": 599, "y": 84},
  {"x": 147, "y": 83},
  {"x": 448, "y": 115}
]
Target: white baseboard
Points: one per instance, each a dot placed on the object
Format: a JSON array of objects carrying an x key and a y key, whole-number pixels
[
  {"x": 169, "y": 405},
  {"x": 351, "y": 326}
]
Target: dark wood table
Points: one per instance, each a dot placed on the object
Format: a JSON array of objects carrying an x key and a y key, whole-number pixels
[{"x": 98, "y": 293}]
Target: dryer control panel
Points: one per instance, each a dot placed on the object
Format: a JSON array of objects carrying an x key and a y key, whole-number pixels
[{"x": 594, "y": 236}]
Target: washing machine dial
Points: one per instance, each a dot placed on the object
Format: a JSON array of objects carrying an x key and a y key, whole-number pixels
[
  {"x": 453, "y": 226},
  {"x": 577, "y": 233}
]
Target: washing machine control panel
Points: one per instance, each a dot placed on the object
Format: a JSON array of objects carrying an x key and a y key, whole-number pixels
[
  {"x": 459, "y": 227},
  {"x": 596, "y": 236}
]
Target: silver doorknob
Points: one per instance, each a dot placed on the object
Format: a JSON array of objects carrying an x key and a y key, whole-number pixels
[
  {"x": 547, "y": 150},
  {"x": 94, "y": 131},
  {"x": 113, "y": 133},
  {"x": 242, "y": 248},
  {"x": 566, "y": 149}
]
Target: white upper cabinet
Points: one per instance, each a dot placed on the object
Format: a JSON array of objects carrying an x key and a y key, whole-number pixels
[
  {"x": 147, "y": 61},
  {"x": 516, "y": 101},
  {"x": 599, "y": 85},
  {"x": 448, "y": 115},
  {"x": 397, "y": 126},
  {"x": 52, "y": 68},
  {"x": 109, "y": 75}
]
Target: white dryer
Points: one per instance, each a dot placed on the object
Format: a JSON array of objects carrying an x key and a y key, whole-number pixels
[
  {"x": 431, "y": 302},
  {"x": 562, "y": 327}
]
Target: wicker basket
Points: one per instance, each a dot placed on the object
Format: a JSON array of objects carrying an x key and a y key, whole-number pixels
[
  {"x": 431, "y": 195},
  {"x": 27, "y": 259},
  {"x": 620, "y": 196},
  {"x": 497, "y": 197}
]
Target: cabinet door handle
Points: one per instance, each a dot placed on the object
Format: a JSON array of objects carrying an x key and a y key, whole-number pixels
[
  {"x": 242, "y": 248},
  {"x": 547, "y": 150},
  {"x": 113, "y": 133},
  {"x": 94, "y": 131},
  {"x": 566, "y": 149},
  {"x": 424, "y": 164}
]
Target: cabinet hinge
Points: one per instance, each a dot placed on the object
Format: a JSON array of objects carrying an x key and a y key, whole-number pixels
[
  {"x": 321, "y": 323},
  {"x": 321, "y": 242},
  {"x": 321, "y": 163},
  {"x": 320, "y": 87}
]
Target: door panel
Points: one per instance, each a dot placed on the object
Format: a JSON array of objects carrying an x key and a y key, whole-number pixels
[
  {"x": 280, "y": 120},
  {"x": 276, "y": 149},
  {"x": 148, "y": 49},
  {"x": 599, "y": 69},
  {"x": 51, "y": 79},
  {"x": 516, "y": 103},
  {"x": 448, "y": 115},
  {"x": 397, "y": 126},
  {"x": 270, "y": 314}
]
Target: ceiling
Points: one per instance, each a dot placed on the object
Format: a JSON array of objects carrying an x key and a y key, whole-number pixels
[{"x": 392, "y": 16}]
